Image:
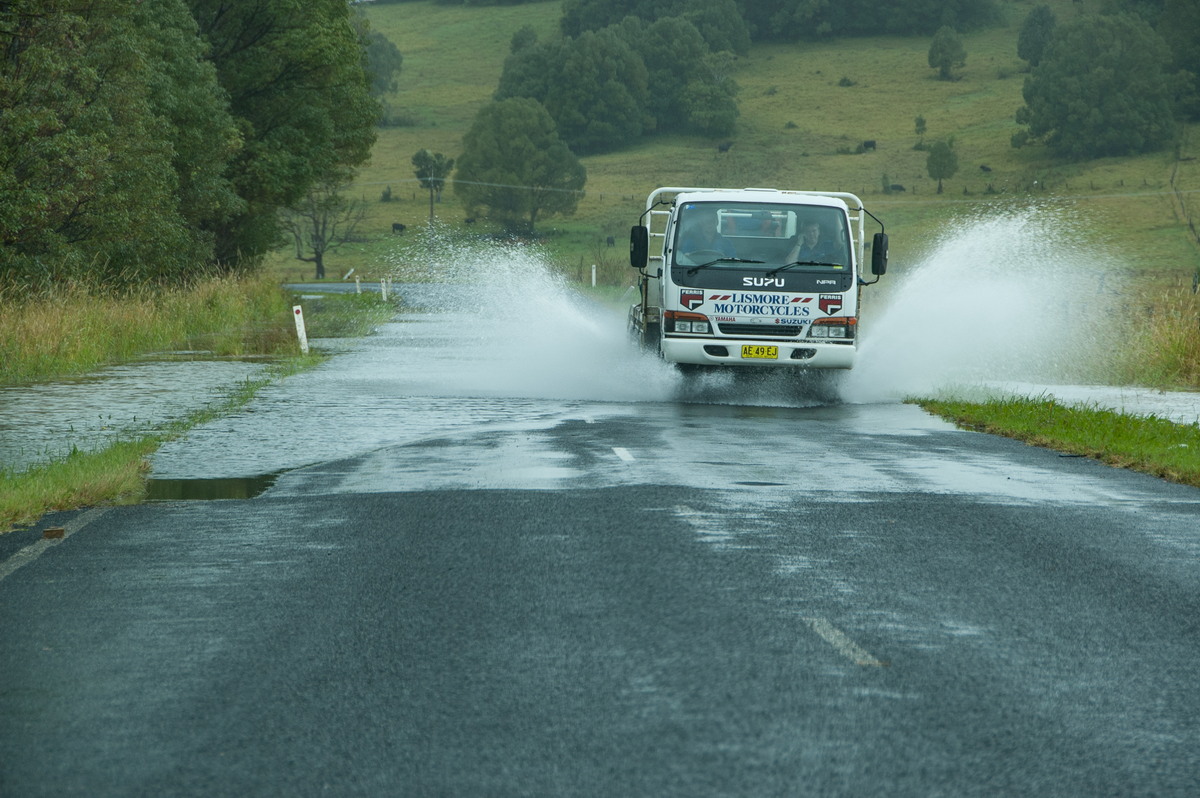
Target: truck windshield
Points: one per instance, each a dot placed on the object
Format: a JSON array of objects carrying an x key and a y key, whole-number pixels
[{"x": 716, "y": 235}]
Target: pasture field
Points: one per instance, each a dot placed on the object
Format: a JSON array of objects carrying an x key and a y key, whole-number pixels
[{"x": 806, "y": 109}]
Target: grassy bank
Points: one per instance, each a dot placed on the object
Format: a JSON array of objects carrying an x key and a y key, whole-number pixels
[
  {"x": 1152, "y": 445},
  {"x": 75, "y": 330}
]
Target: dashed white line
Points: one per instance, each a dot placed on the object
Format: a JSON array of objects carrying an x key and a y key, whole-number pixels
[
  {"x": 623, "y": 453},
  {"x": 842, "y": 644}
]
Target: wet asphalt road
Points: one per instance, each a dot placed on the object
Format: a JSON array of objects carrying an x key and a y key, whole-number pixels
[{"x": 469, "y": 579}]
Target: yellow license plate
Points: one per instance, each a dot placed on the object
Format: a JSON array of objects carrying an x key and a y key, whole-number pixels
[{"x": 761, "y": 352}]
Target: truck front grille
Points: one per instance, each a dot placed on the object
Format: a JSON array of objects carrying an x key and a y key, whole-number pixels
[{"x": 762, "y": 330}]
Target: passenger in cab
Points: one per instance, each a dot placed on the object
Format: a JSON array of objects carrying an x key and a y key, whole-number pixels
[{"x": 700, "y": 234}]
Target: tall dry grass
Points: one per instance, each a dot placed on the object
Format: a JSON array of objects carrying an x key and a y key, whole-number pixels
[
  {"x": 74, "y": 330},
  {"x": 1164, "y": 342}
]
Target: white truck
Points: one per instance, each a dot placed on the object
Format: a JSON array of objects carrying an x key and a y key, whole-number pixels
[{"x": 751, "y": 277}]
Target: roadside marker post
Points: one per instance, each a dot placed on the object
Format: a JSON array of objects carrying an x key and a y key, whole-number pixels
[{"x": 298, "y": 312}]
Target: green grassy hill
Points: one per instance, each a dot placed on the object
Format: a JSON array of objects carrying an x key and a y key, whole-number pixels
[{"x": 805, "y": 108}]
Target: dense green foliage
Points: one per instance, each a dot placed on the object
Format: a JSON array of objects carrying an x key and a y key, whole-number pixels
[
  {"x": 295, "y": 80},
  {"x": 1035, "y": 34},
  {"x": 606, "y": 88},
  {"x": 1100, "y": 89},
  {"x": 515, "y": 168},
  {"x": 113, "y": 141},
  {"x": 786, "y": 20},
  {"x": 149, "y": 141}
]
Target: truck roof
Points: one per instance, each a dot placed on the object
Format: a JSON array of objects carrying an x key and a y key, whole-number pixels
[{"x": 832, "y": 199}]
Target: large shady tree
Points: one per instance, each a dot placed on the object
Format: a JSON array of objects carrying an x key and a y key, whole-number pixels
[
  {"x": 1100, "y": 89},
  {"x": 515, "y": 169}
]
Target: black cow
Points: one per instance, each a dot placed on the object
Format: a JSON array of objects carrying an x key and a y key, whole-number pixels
[
  {"x": 985, "y": 168},
  {"x": 398, "y": 228},
  {"x": 869, "y": 144}
]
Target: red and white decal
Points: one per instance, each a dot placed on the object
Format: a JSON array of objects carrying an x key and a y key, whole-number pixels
[
  {"x": 830, "y": 303},
  {"x": 691, "y": 299}
]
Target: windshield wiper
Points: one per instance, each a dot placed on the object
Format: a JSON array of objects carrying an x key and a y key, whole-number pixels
[
  {"x": 805, "y": 263},
  {"x": 695, "y": 269}
]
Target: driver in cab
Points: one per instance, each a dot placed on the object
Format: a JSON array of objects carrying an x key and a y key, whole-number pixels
[
  {"x": 700, "y": 235},
  {"x": 810, "y": 246}
]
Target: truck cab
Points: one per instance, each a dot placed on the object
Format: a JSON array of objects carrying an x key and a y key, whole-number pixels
[{"x": 751, "y": 277}]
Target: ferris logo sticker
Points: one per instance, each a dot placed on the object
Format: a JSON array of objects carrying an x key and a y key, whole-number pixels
[
  {"x": 830, "y": 303},
  {"x": 691, "y": 299}
]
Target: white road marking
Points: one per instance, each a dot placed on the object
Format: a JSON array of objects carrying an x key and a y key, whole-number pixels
[
  {"x": 623, "y": 454},
  {"x": 842, "y": 644},
  {"x": 35, "y": 550}
]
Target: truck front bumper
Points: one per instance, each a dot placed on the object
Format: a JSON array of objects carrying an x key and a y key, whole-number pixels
[{"x": 728, "y": 352}]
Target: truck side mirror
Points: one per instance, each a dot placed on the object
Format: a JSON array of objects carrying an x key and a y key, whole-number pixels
[
  {"x": 639, "y": 246},
  {"x": 879, "y": 254}
]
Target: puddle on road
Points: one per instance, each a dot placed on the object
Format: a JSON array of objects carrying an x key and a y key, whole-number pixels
[
  {"x": 44, "y": 421},
  {"x": 163, "y": 490}
]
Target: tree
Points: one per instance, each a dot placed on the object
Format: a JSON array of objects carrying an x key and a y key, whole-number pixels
[
  {"x": 718, "y": 21},
  {"x": 1035, "y": 34},
  {"x": 382, "y": 62},
  {"x": 114, "y": 139},
  {"x": 1100, "y": 90},
  {"x": 516, "y": 167},
  {"x": 942, "y": 162},
  {"x": 709, "y": 98},
  {"x": 599, "y": 97},
  {"x": 1180, "y": 29},
  {"x": 946, "y": 52},
  {"x": 296, "y": 84},
  {"x": 919, "y": 128},
  {"x": 322, "y": 221},
  {"x": 432, "y": 169}
]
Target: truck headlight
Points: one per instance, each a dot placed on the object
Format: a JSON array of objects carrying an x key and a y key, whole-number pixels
[
  {"x": 682, "y": 322},
  {"x": 841, "y": 328}
]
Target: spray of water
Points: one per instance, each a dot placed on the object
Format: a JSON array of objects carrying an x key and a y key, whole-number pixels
[
  {"x": 999, "y": 298},
  {"x": 1002, "y": 297},
  {"x": 508, "y": 325}
]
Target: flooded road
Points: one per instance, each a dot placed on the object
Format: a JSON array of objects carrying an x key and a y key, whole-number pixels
[{"x": 485, "y": 553}]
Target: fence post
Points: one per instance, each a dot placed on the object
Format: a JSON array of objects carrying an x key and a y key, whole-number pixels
[{"x": 298, "y": 312}]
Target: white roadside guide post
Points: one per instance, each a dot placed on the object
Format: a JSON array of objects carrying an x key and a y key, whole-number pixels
[
  {"x": 383, "y": 287},
  {"x": 298, "y": 312},
  {"x": 593, "y": 275}
]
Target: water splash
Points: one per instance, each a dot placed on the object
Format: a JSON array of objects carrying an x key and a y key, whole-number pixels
[
  {"x": 533, "y": 335},
  {"x": 1001, "y": 296},
  {"x": 508, "y": 325}
]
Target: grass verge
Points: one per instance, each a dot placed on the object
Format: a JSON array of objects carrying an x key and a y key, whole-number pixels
[
  {"x": 76, "y": 330},
  {"x": 1148, "y": 444}
]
